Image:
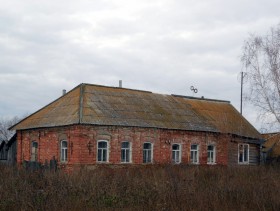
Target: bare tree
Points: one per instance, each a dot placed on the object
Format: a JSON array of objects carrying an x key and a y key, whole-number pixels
[
  {"x": 261, "y": 58},
  {"x": 5, "y": 123}
]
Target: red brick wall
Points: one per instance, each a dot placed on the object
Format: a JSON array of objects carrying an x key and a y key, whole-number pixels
[{"x": 82, "y": 144}]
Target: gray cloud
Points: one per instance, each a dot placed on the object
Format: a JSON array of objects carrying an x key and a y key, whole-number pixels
[{"x": 163, "y": 46}]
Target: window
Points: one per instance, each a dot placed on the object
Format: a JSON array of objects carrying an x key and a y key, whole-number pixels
[
  {"x": 147, "y": 153},
  {"x": 125, "y": 152},
  {"x": 4, "y": 152},
  {"x": 34, "y": 151},
  {"x": 211, "y": 154},
  {"x": 102, "y": 151},
  {"x": 176, "y": 153},
  {"x": 194, "y": 154},
  {"x": 63, "y": 151},
  {"x": 243, "y": 153}
]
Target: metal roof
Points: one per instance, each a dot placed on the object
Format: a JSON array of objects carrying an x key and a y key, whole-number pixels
[{"x": 101, "y": 105}]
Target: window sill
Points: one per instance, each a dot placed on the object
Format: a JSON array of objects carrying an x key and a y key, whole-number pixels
[
  {"x": 102, "y": 162},
  {"x": 176, "y": 163}
]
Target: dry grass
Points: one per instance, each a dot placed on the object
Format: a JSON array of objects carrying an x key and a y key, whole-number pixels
[{"x": 171, "y": 187}]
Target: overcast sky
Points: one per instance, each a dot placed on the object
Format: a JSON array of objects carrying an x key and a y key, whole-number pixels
[{"x": 163, "y": 46}]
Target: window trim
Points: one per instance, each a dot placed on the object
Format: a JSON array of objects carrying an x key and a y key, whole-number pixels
[
  {"x": 130, "y": 152},
  {"x": 214, "y": 154},
  {"x": 180, "y": 153},
  {"x": 63, "y": 159},
  {"x": 248, "y": 154},
  {"x": 36, "y": 153},
  {"x": 197, "y": 150},
  {"x": 107, "y": 151},
  {"x": 152, "y": 152}
]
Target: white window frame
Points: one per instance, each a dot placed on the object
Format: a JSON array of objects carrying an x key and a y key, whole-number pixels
[
  {"x": 63, "y": 151},
  {"x": 146, "y": 152},
  {"x": 196, "y": 153},
  {"x": 176, "y": 153},
  {"x": 34, "y": 155},
  {"x": 212, "y": 158},
  {"x": 242, "y": 155},
  {"x": 127, "y": 151},
  {"x": 106, "y": 150}
]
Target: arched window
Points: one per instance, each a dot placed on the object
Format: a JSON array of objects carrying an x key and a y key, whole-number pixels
[
  {"x": 63, "y": 151},
  {"x": 176, "y": 153},
  {"x": 195, "y": 153},
  {"x": 147, "y": 153},
  {"x": 102, "y": 151},
  {"x": 125, "y": 152},
  {"x": 211, "y": 154},
  {"x": 34, "y": 151}
]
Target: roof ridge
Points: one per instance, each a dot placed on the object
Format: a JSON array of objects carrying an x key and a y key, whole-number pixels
[
  {"x": 116, "y": 87},
  {"x": 81, "y": 99},
  {"x": 174, "y": 95},
  {"x": 200, "y": 98}
]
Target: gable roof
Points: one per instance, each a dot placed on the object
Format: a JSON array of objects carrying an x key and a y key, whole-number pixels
[
  {"x": 272, "y": 144},
  {"x": 114, "y": 106}
]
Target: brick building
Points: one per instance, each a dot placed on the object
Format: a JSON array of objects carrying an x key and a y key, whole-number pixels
[{"x": 94, "y": 124}]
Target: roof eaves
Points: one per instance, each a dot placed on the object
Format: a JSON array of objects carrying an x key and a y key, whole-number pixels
[
  {"x": 51, "y": 126},
  {"x": 248, "y": 139},
  {"x": 12, "y": 127}
]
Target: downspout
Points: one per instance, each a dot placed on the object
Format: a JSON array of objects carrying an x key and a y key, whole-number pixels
[
  {"x": 21, "y": 147},
  {"x": 39, "y": 140}
]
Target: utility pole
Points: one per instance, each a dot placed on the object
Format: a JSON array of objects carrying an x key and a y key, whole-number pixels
[{"x": 241, "y": 95}]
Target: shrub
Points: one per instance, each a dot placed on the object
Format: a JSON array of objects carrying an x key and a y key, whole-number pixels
[{"x": 152, "y": 187}]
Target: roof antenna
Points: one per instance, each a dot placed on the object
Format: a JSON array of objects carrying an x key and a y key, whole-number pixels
[{"x": 195, "y": 90}]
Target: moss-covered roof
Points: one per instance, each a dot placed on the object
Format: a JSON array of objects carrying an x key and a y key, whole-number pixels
[{"x": 101, "y": 105}]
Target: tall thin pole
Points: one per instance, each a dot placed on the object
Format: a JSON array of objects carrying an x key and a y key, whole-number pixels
[{"x": 241, "y": 95}]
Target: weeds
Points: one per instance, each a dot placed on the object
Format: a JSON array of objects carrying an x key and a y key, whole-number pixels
[{"x": 150, "y": 187}]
